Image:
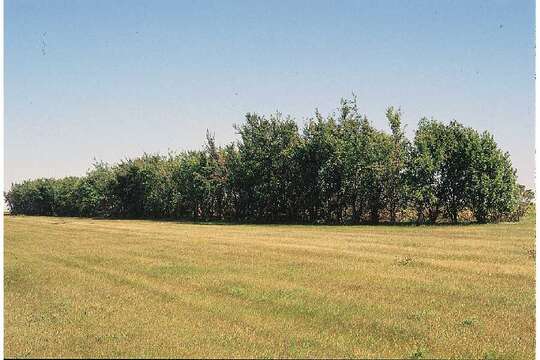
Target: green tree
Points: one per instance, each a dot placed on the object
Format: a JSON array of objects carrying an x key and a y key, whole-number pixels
[
  {"x": 66, "y": 196},
  {"x": 456, "y": 168},
  {"x": 32, "y": 197},
  {"x": 338, "y": 169},
  {"x": 424, "y": 171},
  {"x": 266, "y": 151},
  {"x": 95, "y": 192},
  {"x": 492, "y": 187},
  {"x": 317, "y": 146},
  {"x": 395, "y": 181}
]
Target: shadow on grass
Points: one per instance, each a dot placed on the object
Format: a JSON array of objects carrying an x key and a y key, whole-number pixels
[{"x": 250, "y": 222}]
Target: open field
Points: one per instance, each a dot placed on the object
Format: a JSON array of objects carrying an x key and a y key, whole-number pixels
[{"x": 107, "y": 288}]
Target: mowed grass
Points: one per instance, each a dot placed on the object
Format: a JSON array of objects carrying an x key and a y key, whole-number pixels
[{"x": 125, "y": 288}]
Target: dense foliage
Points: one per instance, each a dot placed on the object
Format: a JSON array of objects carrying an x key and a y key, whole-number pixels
[{"x": 338, "y": 169}]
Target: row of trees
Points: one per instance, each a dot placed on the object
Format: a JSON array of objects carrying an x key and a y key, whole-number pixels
[{"x": 337, "y": 169}]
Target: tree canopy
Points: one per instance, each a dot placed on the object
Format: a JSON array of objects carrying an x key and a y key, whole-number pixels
[{"x": 335, "y": 169}]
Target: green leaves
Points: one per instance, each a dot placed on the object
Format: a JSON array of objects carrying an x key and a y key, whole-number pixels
[{"x": 335, "y": 169}]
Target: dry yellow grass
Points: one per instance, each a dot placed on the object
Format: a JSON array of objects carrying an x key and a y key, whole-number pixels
[{"x": 111, "y": 288}]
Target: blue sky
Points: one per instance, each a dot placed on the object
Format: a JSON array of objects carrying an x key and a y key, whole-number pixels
[{"x": 115, "y": 79}]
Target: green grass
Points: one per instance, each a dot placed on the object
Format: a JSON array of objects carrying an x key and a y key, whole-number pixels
[{"x": 125, "y": 288}]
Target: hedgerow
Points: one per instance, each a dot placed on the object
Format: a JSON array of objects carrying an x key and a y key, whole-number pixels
[{"x": 336, "y": 169}]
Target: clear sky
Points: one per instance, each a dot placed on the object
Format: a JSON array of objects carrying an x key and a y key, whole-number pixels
[{"x": 114, "y": 79}]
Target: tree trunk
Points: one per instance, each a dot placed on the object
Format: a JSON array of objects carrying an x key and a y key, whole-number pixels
[
  {"x": 420, "y": 216},
  {"x": 393, "y": 215},
  {"x": 433, "y": 215},
  {"x": 374, "y": 215},
  {"x": 355, "y": 214},
  {"x": 339, "y": 214},
  {"x": 480, "y": 217},
  {"x": 454, "y": 216}
]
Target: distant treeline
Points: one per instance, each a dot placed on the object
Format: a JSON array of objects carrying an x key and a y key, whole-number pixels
[{"x": 338, "y": 169}]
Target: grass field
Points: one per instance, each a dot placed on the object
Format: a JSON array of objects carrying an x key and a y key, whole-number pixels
[{"x": 108, "y": 288}]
